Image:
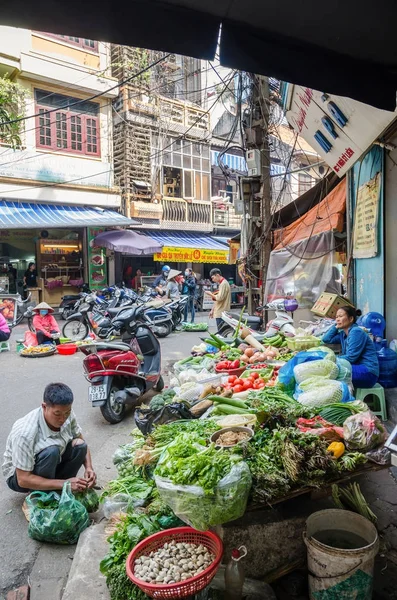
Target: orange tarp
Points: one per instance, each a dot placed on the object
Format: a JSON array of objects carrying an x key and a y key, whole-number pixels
[{"x": 325, "y": 216}]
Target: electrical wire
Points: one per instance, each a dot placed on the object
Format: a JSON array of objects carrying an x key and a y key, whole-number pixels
[{"x": 100, "y": 94}]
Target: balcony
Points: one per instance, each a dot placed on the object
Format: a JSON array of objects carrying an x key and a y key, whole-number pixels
[
  {"x": 178, "y": 116},
  {"x": 224, "y": 216},
  {"x": 187, "y": 216}
]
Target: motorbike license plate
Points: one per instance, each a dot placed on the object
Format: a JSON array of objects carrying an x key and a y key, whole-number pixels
[{"x": 96, "y": 392}]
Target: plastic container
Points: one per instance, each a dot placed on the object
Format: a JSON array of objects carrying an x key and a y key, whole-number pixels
[
  {"x": 387, "y": 367},
  {"x": 339, "y": 572},
  {"x": 67, "y": 349},
  {"x": 236, "y": 372},
  {"x": 373, "y": 321},
  {"x": 234, "y": 575},
  {"x": 186, "y": 588}
]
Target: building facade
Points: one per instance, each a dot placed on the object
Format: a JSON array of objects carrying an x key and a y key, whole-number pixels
[{"x": 59, "y": 180}]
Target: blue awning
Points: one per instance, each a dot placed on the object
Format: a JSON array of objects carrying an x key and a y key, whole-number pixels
[
  {"x": 187, "y": 240},
  {"x": 31, "y": 215}
]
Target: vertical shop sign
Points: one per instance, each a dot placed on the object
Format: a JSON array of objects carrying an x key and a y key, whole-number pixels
[
  {"x": 365, "y": 236},
  {"x": 97, "y": 272}
]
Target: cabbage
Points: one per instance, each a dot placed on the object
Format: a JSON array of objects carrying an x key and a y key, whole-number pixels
[
  {"x": 329, "y": 393},
  {"x": 330, "y": 353},
  {"x": 316, "y": 368}
]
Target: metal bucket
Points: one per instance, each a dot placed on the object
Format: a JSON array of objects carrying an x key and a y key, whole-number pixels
[{"x": 336, "y": 573}]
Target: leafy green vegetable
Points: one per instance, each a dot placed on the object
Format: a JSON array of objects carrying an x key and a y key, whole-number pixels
[
  {"x": 120, "y": 587},
  {"x": 195, "y": 326},
  {"x": 157, "y": 402},
  {"x": 56, "y": 519},
  {"x": 187, "y": 461},
  {"x": 165, "y": 434},
  {"x": 132, "y": 529},
  {"x": 89, "y": 499},
  {"x": 132, "y": 485}
]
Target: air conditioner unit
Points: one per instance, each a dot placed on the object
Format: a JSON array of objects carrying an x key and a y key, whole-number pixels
[{"x": 254, "y": 163}]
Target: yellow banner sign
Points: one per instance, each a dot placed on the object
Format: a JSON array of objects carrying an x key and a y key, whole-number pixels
[{"x": 172, "y": 254}]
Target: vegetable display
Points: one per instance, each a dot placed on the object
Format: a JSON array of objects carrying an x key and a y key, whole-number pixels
[
  {"x": 195, "y": 326},
  {"x": 305, "y": 432}
]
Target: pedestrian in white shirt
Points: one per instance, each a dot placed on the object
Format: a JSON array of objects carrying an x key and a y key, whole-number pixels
[{"x": 46, "y": 448}]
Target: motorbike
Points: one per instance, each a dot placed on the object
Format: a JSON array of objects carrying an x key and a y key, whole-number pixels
[
  {"x": 97, "y": 318},
  {"x": 119, "y": 373},
  {"x": 282, "y": 323},
  {"x": 70, "y": 302}
]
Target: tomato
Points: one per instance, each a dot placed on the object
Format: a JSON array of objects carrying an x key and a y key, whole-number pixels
[
  {"x": 247, "y": 385},
  {"x": 255, "y": 375},
  {"x": 239, "y": 381},
  {"x": 228, "y": 386},
  {"x": 261, "y": 385},
  {"x": 231, "y": 378},
  {"x": 237, "y": 389},
  {"x": 251, "y": 379}
]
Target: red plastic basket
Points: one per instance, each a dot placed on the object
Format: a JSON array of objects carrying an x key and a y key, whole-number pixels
[
  {"x": 189, "y": 587},
  {"x": 236, "y": 372}
]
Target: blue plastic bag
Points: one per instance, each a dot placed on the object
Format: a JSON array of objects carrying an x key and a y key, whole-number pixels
[{"x": 286, "y": 377}]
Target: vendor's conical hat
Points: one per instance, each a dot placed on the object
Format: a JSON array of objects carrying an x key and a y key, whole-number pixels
[
  {"x": 173, "y": 273},
  {"x": 44, "y": 306}
]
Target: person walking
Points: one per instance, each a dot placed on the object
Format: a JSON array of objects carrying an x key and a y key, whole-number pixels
[
  {"x": 222, "y": 297},
  {"x": 46, "y": 447},
  {"x": 189, "y": 290}
]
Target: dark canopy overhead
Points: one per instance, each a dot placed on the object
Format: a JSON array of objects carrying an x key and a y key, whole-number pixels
[{"x": 345, "y": 48}]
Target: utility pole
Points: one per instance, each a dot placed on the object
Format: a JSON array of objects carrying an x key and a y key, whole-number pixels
[{"x": 260, "y": 191}]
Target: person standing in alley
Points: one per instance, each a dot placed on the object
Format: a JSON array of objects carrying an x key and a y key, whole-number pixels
[
  {"x": 222, "y": 297},
  {"x": 189, "y": 290}
]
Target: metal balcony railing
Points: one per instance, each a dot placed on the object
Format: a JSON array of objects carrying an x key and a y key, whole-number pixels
[{"x": 188, "y": 216}]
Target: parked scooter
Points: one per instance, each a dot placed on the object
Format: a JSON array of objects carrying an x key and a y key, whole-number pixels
[
  {"x": 120, "y": 372},
  {"x": 282, "y": 323},
  {"x": 70, "y": 302}
]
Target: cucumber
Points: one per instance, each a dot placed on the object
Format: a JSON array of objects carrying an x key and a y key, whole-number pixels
[
  {"x": 224, "y": 409},
  {"x": 229, "y": 401}
]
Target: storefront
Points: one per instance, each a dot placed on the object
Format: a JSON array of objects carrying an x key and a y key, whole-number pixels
[{"x": 58, "y": 239}]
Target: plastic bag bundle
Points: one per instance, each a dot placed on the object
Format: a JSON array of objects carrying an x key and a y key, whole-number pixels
[
  {"x": 189, "y": 391},
  {"x": 146, "y": 419},
  {"x": 120, "y": 503},
  {"x": 286, "y": 377},
  {"x": 202, "y": 511},
  {"x": 123, "y": 454},
  {"x": 318, "y": 391},
  {"x": 318, "y": 368},
  {"x": 55, "y": 518},
  {"x": 345, "y": 371},
  {"x": 207, "y": 363},
  {"x": 363, "y": 431}
]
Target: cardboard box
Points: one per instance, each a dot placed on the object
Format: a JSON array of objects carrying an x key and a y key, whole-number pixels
[{"x": 328, "y": 305}]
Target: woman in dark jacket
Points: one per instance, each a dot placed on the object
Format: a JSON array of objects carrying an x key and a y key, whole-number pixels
[{"x": 357, "y": 347}]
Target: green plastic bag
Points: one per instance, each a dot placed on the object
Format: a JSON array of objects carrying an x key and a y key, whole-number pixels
[{"x": 55, "y": 518}]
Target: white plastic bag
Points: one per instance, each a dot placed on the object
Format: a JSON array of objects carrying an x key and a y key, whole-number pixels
[
  {"x": 316, "y": 368},
  {"x": 202, "y": 511}
]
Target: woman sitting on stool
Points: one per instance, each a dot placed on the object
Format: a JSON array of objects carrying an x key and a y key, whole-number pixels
[
  {"x": 47, "y": 329},
  {"x": 4, "y": 329},
  {"x": 357, "y": 347}
]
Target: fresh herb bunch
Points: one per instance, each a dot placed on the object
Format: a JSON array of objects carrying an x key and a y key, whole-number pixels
[
  {"x": 188, "y": 461},
  {"x": 120, "y": 587},
  {"x": 275, "y": 407},
  {"x": 165, "y": 434},
  {"x": 132, "y": 485}
]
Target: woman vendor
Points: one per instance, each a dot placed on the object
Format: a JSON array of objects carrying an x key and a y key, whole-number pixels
[
  {"x": 47, "y": 329},
  {"x": 357, "y": 347}
]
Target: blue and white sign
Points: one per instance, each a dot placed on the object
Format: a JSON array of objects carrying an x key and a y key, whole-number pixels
[{"x": 339, "y": 129}]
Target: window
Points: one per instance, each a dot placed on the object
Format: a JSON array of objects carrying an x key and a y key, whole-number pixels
[
  {"x": 74, "y": 41},
  {"x": 305, "y": 183},
  {"x": 193, "y": 157},
  {"x": 69, "y": 127}
]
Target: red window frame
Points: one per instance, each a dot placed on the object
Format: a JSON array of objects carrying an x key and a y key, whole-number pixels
[
  {"x": 73, "y": 41},
  {"x": 61, "y": 126}
]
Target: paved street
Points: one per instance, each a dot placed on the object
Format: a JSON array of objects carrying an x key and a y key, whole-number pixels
[
  {"x": 46, "y": 567},
  {"x": 23, "y": 382}
]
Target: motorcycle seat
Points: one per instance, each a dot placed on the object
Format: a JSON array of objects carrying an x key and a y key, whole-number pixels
[
  {"x": 113, "y": 312},
  {"x": 112, "y": 346},
  {"x": 249, "y": 318}
]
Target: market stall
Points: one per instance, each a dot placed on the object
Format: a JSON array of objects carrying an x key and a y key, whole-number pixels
[{"x": 265, "y": 425}]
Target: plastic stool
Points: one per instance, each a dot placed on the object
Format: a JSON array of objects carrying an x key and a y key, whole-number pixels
[
  {"x": 4, "y": 346},
  {"x": 378, "y": 399}
]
